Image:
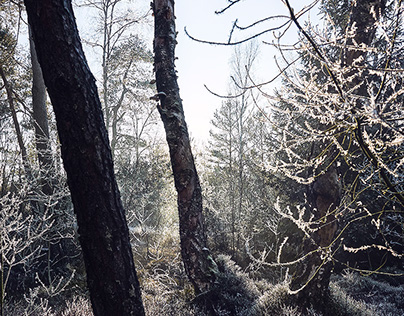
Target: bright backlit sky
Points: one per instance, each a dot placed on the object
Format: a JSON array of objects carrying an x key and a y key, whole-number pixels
[{"x": 201, "y": 64}]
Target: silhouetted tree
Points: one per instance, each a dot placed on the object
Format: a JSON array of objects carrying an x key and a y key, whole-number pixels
[{"x": 103, "y": 232}]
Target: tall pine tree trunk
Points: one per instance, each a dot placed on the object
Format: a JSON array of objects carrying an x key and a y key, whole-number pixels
[
  {"x": 103, "y": 232},
  {"x": 195, "y": 255}
]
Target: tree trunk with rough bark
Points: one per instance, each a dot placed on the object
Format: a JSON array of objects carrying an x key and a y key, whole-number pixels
[
  {"x": 103, "y": 232},
  {"x": 198, "y": 263},
  {"x": 315, "y": 272}
]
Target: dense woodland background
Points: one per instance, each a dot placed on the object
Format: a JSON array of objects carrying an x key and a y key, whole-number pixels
[{"x": 301, "y": 186}]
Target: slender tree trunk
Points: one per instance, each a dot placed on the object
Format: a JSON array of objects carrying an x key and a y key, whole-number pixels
[
  {"x": 195, "y": 255},
  {"x": 103, "y": 232},
  {"x": 115, "y": 110},
  {"x": 240, "y": 171},
  {"x": 232, "y": 187},
  {"x": 40, "y": 116},
  {"x": 115, "y": 119},
  {"x": 105, "y": 59},
  {"x": 10, "y": 99}
]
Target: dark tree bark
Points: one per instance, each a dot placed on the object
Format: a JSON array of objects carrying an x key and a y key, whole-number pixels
[
  {"x": 315, "y": 271},
  {"x": 195, "y": 255},
  {"x": 40, "y": 117},
  {"x": 111, "y": 276}
]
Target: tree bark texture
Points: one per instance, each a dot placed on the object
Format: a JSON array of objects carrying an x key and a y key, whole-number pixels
[
  {"x": 111, "y": 276},
  {"x": 325, "y": 196},
  {"x": 195, "y": 255}
]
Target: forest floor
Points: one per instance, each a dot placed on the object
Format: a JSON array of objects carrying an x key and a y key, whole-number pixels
[{"x": 236, "y": 293}]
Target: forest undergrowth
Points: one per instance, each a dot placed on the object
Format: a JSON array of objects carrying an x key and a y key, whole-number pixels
[{"x": 166, "y": 292}]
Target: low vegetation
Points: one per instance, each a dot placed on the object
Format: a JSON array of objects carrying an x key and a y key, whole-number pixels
[{"x": 235, "y": 293}]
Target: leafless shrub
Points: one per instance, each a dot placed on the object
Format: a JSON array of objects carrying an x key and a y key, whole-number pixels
[
  {"x": 78, "y": 306},
  {"x": 19, "y": 230}
]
